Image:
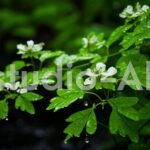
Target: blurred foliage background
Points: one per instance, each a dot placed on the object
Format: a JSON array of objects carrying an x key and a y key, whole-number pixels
[{"x": 60, "y": 24}]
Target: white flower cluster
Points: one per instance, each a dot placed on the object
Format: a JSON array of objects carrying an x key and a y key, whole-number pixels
[
  {"x": 15, "y": 87},
  {"x": 30, "y": 47},
  {"x": 129, "y": 12},
  {"x": 93, "y": 40},
  {"x": 101, "y": 72}
]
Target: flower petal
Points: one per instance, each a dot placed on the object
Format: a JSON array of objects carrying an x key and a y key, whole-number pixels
[
  {"x": 21, "y": 91},
  {"x": 85, "y": 42},
  {"x": 145, "y": 8},
  {"x": 100, "y": 67},
  {"x": 88, "y": 81},
  {"x": 21, "y": 47},
  {"x": 30, "y": 43},
  {"x": 90, "y": 73},
  {"x": 16, "y": 85},
  {"x": 110, "y": 72}
]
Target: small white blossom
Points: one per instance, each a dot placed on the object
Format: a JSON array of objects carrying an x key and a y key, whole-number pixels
[
  {"x": 100, "y": 67},
  {"x": 23, "y": 49},
  {"x": 129, "y": 12},
  {"x": 101, "y": 72},
  {"x": 21, "y": 91},
  {"x": 12, "y": 86},
  {"x": 93, "y": 41},
  {"x": 90, "y": 73},
  {"x": 145, "y": 8}
]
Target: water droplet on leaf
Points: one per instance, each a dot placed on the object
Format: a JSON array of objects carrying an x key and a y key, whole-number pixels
[{"x": 86, "y": 104}]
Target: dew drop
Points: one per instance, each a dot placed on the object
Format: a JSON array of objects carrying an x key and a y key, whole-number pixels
[
  {"x": 6, "y": 119},
  {"x": 86, "y": 104},
  {"x": 86, "y": 139}
]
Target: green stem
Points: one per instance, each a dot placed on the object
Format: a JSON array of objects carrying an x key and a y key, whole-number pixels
[
  {"x": 95, "y": 95},
  {"x": 32, "y": 62}
]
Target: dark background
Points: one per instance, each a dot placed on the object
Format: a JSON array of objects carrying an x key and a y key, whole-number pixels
[{"x": 60, "y": 24}]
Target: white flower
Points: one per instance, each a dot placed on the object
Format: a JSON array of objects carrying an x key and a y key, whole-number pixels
[
  {"x": 90, "y": 73},
  {"x": 100, "y": 67},
  {"x": 145, "y": 8},
  {"x": 15, "y": 87},
  {"x": 12, "y": 86},
  {"x": 101, "y": 72},
  {"x": 23, "y": 49},
  {"x": 129, "y": 12},
  {"x": 94, "y": 41},
  {"x": 30, "y": 44},
  {"x": 110, "y": 72}
]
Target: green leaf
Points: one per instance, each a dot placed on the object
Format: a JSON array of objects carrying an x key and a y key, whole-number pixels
[
  {"x": 123, "y": 101},
  {"x": 3, "y": 109},
  {"x": 31, "y": 78},
  {"x": 137, "y": 37},
  {"x": 48, "y": 54},
  {"x": 123, "y": 105},
  {"x": 138, "y": 64},
  {"x": 128, "y": 40},
  {"x": 30, "y": 96},
  {"x": 125, "y": 127},
  {"x": 80, "y": 120},
  {"x": 17, "y": 64},
  {"x": 24, "y": 102},
  {"x": 129, "y": 112},
  {"x": 145, "y": 112},
  {"x": 145, "y": 130},
  {"x": 24, "y": 105},
  {"x": 117, "y": 34},
  {"x": 91, "y": 125},
  {"x": 65, "y": 98}
]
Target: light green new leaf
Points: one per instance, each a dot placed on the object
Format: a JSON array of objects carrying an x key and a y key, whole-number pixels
[
  {"x": 80, "y": 120},
  {"x": 125, "y": 127},
  {"x": 65, "y": 98},
  {"x": 3, "y": 109}
]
